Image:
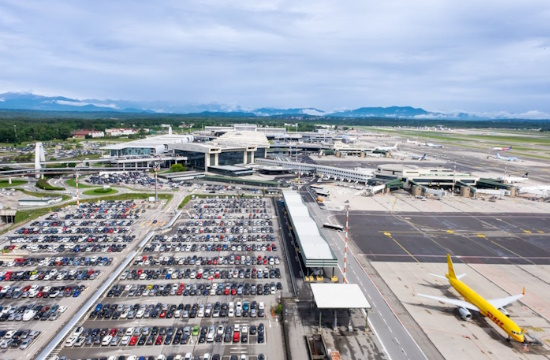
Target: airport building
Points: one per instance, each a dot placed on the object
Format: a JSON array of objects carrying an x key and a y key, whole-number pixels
[
  {"x": 314, "y": 248},
  {"x": 151, "y": 146},
  {"x": 423, "y": 176},
  {"x": 329, "y": 172}
]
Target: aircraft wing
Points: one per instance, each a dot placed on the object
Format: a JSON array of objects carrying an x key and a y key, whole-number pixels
[
  {"x": 455, "y": 302},
  {"x": 502, "y": 302}
]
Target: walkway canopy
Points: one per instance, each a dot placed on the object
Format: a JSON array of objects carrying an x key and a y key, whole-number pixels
[
  {"x": 314, "y": 248},
  {"x": 339, "y": 296}
]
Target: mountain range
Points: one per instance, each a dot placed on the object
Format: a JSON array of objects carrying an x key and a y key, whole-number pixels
[{"x": 28, "y": 101}]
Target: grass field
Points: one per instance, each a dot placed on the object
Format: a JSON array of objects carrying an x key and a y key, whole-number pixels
[
  {"x": 14, "y": 182},
  {"x": 72, "y": 183},
  {"x": 100, "y": 191},
  {"x": 41, "y": 194}
]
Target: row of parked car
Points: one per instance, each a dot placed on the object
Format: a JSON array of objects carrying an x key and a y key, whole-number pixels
[
  {"x": 129, "y": 178},
  {"x": 164, "y": 310},
  {"x": 233, "y": 259},
  {"x": 207, "y": 273},
  {"x": 45, "y": 239},
  {"x": 36, "y": 291},
  {"x": 187, "y": 356},
  {"x": 74, "y": 248},
  {"x": 221, "y": 223},
  {"x": 202, "y": 289},
  {"x": 17, "y": 338},
  {"x": 155, "y": 335},
  {"x": 59, "y": 261},
  {"x": 31, "y": 312},
  {"x": 49, "y": 275},
  {"x": 159, "y": 247}
]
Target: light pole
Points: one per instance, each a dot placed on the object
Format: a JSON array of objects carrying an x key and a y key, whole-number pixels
[
  {"x": 76, "y": 182},
  {"x": 346, "y": 245},
  {"x": 156, "y": 169}
]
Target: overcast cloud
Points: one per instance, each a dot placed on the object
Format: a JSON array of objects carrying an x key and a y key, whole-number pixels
[{"x": 436, "y": 54}]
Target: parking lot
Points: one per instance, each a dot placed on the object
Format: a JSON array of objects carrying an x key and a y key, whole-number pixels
[
  {"x": 52, "y": 265},
  {"x": 207, "y": 286}
]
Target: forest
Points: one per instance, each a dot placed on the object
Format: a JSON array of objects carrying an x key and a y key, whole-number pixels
[{"x": 17, "y": 126}]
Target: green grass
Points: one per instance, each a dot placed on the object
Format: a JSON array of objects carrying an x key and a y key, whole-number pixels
[
  {"x": 72, "y": 183},
  {"x": 100, "y": 191},
  {"x": 41, "y": 194},
  {"x": 130, "y": 196},
  {"x": 14, "y": 182},
  {"x": 44, "y": 185},
  {"x": 184, "y": 201}
]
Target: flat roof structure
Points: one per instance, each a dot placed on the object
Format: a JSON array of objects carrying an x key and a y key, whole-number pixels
[
  {"x": 314, "y": 248},
  {"x": 339, "y": 296}
]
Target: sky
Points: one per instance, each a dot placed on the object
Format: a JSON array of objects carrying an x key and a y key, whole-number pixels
[{"x": 442, "y": 55}]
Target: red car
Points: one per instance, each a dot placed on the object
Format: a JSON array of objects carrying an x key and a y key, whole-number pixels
[
  {"x": 133, "y": 341},
  {"x": 159, "y": 340}
]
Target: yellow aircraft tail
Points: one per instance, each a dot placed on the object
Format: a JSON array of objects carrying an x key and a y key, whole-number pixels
[{"x": 451, "y": 273}]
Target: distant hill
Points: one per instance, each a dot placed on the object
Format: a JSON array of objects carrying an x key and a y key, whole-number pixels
[
  {"x": 392, "y": 111},
  {"x": 28, "y": 101}
]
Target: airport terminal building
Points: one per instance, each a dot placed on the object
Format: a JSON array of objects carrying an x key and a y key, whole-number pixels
[{"x": 227, "y": 155}]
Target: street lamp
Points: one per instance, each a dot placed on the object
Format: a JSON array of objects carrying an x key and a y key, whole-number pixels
[
  {"x": 346, "y": 244},
  {"x": 156, "y": 167}
]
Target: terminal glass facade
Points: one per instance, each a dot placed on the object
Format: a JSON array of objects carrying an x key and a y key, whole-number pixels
[
  {"x": 132, "y": 151},
  {"x": 230, "y": 158},
  {"x": 259, "y": 153},
  {"x": 194, "y": 158}
]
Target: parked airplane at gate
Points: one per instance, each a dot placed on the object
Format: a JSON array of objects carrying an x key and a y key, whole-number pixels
[
  {"x": 507, "y": 158},
  {"x": 419, "y": 158},
  {"x": 502, "y": 148},
  {"x": 386, "y": 148},
  {"x": 492, "y": 309},
  {"x": 434, "y": 145}
]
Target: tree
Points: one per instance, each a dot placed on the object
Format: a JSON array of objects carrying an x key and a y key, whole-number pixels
[{"x": 177, "y": 168}]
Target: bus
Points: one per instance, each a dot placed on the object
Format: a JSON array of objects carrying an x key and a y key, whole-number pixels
[
  {"x": 333, "y": 227},
  {"x": 322, "y": 192}
]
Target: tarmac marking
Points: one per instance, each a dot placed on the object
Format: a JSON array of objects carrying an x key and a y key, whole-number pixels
[
  {"x": 540, "y": 232},
  {"x": 401, "y": 246},
  {"x": 480, "y": 235},
  {"x": 527, "y": 231},
  {"x": 450, "y": 231}
]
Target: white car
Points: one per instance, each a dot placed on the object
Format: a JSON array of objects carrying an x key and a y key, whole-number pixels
[
  {"x": 125, "y": 340},
  {"x": 70, "y": 341},
  {"x": 130, "y": 331},
  {"x": 78, "y": 331},
  {"x": 106, "y": 340}
]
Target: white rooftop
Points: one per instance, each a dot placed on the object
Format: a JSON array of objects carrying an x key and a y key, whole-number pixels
[
  {"x": 339, "y": 296},
  {"x": 243, "y": 138},
  {"x": 313, "y": 245}
]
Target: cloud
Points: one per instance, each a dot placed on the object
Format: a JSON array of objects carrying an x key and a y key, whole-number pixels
[{"x": 323, "y": 54}]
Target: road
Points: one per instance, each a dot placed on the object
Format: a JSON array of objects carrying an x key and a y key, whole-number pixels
[{"x": 396, "y": 341}]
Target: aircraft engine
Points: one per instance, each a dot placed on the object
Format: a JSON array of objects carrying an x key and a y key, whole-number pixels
[
  {"x": 464, "y": 313},
  {"x": 502, "y": 310}
]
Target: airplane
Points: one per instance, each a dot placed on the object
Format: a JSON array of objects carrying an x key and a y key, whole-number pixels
[
  {"x": 419, "y": 158},
  {"x": 507, "y": 158},
  {"x": 492, "y": 309},
  {"x": 386, "y": 148},
  {"x": 502, "y": 148},
  {"x": 413, "y": 142},
  {"x": 434, "y": 145},
  {"x": 513, "y": 179}
]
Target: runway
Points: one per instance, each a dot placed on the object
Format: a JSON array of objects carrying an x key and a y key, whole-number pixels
[{"x": 520, "y": 239}]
